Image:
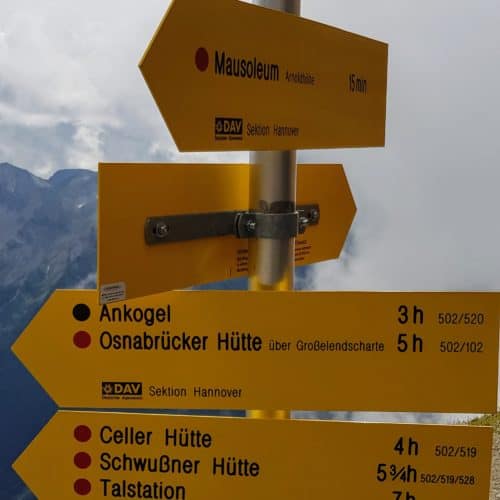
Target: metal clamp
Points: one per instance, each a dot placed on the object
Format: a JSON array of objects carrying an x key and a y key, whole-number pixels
[{"x": 171, "y": 228}]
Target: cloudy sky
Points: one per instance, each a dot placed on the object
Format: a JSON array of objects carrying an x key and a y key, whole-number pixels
[{"x": 428, "y": 203}]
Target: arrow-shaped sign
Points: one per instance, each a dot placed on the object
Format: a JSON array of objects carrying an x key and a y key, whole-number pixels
[
  {"x": 106, "y": 455},
  {"x": 130, "y": 194},
  {"x": 273, "y": 350},
  {"x": 227, "y": 75}
]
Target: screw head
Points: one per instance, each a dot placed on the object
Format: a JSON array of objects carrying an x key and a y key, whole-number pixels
[
  {"x": 314, "y": 215},
  {"x": 303, "y": 223},
  {"x": 161, "y": 230},
  {"x": 250, "y": 225}
]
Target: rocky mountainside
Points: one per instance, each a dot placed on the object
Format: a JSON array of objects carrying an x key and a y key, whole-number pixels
[{"x": 47, "y": 240}]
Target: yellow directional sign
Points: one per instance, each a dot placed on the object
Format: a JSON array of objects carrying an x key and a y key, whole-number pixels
[
  {"x": 131, "y": 193},
  {"x": 113, "y": 455},
  {"x": 275, "y": 350},
  {"x": 227, "y": 75}
]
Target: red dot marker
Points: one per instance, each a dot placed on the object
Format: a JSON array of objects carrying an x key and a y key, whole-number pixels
[
  {"x": 201, "y": 59},
  {"x": 82, "y": 486},
  {"x": 82, "y": 460},
  {"x": 82, "y": 339},
  {"x": 82, "y": 433}
]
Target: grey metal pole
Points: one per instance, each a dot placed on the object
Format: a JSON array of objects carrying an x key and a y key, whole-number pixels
[
  {"x": 290, "y": 6},
  {"x": 273, "y": 189}
]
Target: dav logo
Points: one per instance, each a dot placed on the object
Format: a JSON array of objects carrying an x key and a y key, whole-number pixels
[
  {"x": 228, "y": 129},
  {"x": 121, "y": 390}
]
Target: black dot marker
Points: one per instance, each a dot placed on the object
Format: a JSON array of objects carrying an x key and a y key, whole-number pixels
[{"x": 81, "y": 312}]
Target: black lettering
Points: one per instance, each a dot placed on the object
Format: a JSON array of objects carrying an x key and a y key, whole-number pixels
[
  {"x": 245, "y": 68},
  {"x": 186, "y": 438},
  {"x": 219, "y": 63}
]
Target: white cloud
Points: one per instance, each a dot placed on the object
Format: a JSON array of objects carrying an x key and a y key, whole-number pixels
[
  {"x": 15, "y": 115},
  {"x": 419, "y": 228},
  {"x": 403, "y": 417},
  {"x": 86, "y": 146},
  {"x": 428, "y": 203},
  {"x": 75, "y": 64}
]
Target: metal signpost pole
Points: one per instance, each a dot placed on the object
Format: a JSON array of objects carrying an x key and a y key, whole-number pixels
[{"x": 273, "y": 189}]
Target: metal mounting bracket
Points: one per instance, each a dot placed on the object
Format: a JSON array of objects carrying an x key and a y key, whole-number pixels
[{"x": 170, "y": 228}]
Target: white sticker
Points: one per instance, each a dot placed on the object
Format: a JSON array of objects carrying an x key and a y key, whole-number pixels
[{"x": 112, "y": 292}]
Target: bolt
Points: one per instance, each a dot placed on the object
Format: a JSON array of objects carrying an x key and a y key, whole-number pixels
[
  {"x": 251, "y": 225},
  {"x": 303, "y": 223},
  {"x": 161, "y": 230},
  {"x": 314, "y": 215}
]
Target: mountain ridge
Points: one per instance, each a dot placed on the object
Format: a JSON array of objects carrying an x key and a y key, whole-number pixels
[{"x": 47, "y": 239}]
